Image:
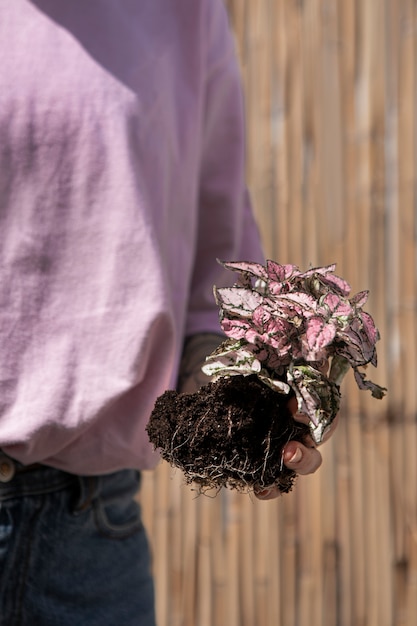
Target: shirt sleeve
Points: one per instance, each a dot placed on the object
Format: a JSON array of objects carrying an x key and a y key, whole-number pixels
[{"x": 226, "y": 228}]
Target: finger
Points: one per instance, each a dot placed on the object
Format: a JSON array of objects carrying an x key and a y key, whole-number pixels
[
  {"x": 300, "y": 458},
  {"x": 268, "y": 494},
  {"x": 304, "y": 419},
  {"x": 297, "y": 457},
  {"x": 292, "y": 406}
]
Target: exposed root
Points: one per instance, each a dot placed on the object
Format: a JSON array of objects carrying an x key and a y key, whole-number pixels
[{"x": 229, "y": 434}]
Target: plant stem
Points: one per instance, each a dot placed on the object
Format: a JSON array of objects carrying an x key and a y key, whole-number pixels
[{"x": 338, "y": 369}]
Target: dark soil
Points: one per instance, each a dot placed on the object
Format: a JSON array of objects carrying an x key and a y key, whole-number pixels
[{"x": 229, "y": 433}]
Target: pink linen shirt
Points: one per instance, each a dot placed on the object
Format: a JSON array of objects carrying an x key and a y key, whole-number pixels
[{"x": 121, "y": 182}]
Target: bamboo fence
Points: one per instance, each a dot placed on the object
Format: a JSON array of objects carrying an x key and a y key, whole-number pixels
[{"x": 331, "y": 105}]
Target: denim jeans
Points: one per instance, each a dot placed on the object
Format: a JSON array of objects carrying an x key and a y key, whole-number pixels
[{"x": 73, "y": 551}]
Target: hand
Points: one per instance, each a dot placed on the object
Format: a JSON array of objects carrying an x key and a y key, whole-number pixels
[
  {"x": 301, "y": 458},
  {"x": 196, "y": 349}
]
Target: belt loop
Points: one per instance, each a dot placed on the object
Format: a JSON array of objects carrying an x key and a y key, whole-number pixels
[
  {"x": 7, "y": 468},
  {"x": 88, "y": 490}
]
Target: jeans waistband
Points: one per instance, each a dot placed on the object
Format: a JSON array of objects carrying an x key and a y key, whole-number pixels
[
  {"x": 31, "y": 480},
  {"x": 18, "y": 480}
]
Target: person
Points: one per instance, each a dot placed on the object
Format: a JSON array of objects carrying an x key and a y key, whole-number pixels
[{"x": 121, "y": 183}]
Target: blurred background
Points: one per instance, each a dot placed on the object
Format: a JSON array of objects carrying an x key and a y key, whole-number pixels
[{"x": 331, "y": 95}]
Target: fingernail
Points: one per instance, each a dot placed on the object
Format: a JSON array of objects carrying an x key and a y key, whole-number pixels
[
  {"x": 300, "y": 416},
  {"x": 296, "y": 457},
  {"x": 263, "y": 493}
]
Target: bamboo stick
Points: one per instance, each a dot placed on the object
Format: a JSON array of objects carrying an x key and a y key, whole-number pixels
[
  {"x": 384, "y": 553},
  {"x": 177, "y": 582},
  {"x": 310, "y": 50},
  {"x": 412, "y": 578},
  {"x": 262, "y": 563},
  {"x": 331, "y": 139},
  {"x": 279, "y": 247},
  {"x": 233, "y": 561},
  {"x": 348, "y": 266},
  {"x": 204, "y": 566},
  {"x": 343, "y": 526},
  {"x": 393, "y": 209},
  {"x": 294, "y": 127},
  {"x": 398, "y": 483},
  {"x": 371, "y": 529},
  {"x": 145, "y": 498},
  {"x": 161, "y": 567},
  {"x": 190, "y": 533},
  {"x": 356, "y": 451},
  {"x": 289, "y": 560},
  {"x": 272, "y": 541},
  {"x": 319, "y": 503},
  {"x": 220, "y": 581},
  {"x": 247, "y": 551},
  {"x": 407, "y": 133},
  {"x": 308, "y": 530},
  {"x": 330, "y": 555}
]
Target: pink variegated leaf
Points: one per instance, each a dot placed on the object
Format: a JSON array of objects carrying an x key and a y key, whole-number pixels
[
  {"x": 282, "y": 316},
  {"x": 360, "y": 299},
  {"x": 267, "y": 328},
  {"x": 308, "y": 403},
  {"x": 281, "y": 344},
  {"x": 316, "y": 397},
  {"x": 337, "y": 283},
  {"x": 324, "y": 270},
  {"x": 363, "y": 383},
  {"x": 223, "y": 367},
  {"x": 368, "y": 335},
  {"x": 254, "y": 336},
  {"x": 255, "y": 270},
  {"x": 302, "y": 304},
  {"x": 352, "y": 352},
  {"x": 237, "y": 300},
  {"x": 319, "y": 334},
  {"x": 261, "y": 352},
  {"x": 236, "y": 329},
  {"x": 337, "y": 308},
  {"x": 328, "y": 277},
  {"x": 354, "y": 345},
  {"x": 303, "y": 299},
  {"x": 321, "y": 279},
  {"x": 261, "y": 316},
  {"x": 331, "y": 301},
  {"x": 369, "y": 327},
  {"x": 232, "y": 357},
  {"x": 271, "y": 359},
  {"x": 281, "y": 327},
  {"x": 276, "y": 385},
  {"x": 274, "y": 325},
  {"x": 280, "y": 273},
  {"x": 275, "y": 288},
  {"x": 344, "y": 310},
  {"x": 278, "y": 341}
]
